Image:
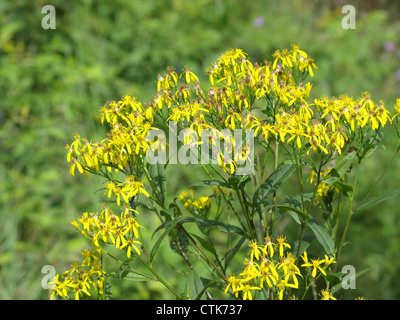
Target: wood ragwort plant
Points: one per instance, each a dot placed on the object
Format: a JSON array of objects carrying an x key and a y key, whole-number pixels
[{"x": 315, "y": 147}]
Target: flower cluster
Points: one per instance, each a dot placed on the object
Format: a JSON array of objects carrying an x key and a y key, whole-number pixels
[
  {"x": 188, "y": 200},
  {"x": 271, "y": 268},
  {"x": 81, "y": 278},
  {"x": 269, "y": 98},
  {"x": 231, "y": 102},
  {"x": 323, "y": 189},
  {"x": 119, "y": 230}
]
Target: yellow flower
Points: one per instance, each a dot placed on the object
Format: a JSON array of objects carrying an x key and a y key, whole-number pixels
[
  {"x": 278, "y": 56},
  {"x": 250, "y": 270},
  {"x": 230, "y": 119},
  {"x": 247, "y": 291},
  {"x": 269, "y": 246},
  {"x": 281, "y": 288},
  {"x": 282, "y": 244},
  {"x": 189, "y": 75},
  {"x": 397, "y": 106},
  {"x": 60, "y": 287},
  {"x": 131, "y": 187},
  {"x": 228, "y": 165},
  {"x": 304, "y": 257},
  {"x": 256, "y": 250},
  {"x": 235, "y": 283},
  {"x": 268, "y": 273},
  {"x": 297, "y": 132},
  {"x": 130, "y": 244},
  {"x": 292, "y": 274},
  {"x": 315, "y": 264},
  {"x": 310, "y": 64},
  {"x": 202, "y": 202},
  {"x": 75, "y": 164},
  {"x": 326, "y": 295},
  {"x": 264, "y": 128},
  {"x": 328, "y": 261},
  {"x": 297, "y": 51}
]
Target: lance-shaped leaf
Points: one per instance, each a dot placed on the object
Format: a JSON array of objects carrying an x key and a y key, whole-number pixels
[
  {"x": 200, "y": 294},
  {"x": 157, "y": 174},
  {"x": 272, "y": 183},
  {"x": 232, "y": 253},
  {"x": 340, "y": 169},
  {"x": 169, "y": 225},
  {"x": 339, "y": 286},
  {"x": 322, "y": 236},
  {"x": 211, "y": 183},
  {"x": 194, "y": 286},
  {"x": 302, "y": 214},
  {"x": 376, "y": 200}
]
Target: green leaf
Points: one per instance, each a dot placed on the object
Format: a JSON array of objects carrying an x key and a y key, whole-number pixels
[
  {"x": 305, "y": 243},
  {"x": 232, "y": 253},
  {"x": 136, "y": 277},
  {"x": 339, "y": 286},
  {"x": 211, "y": 183},
  {"x": 179, "y": 242},
  {"x": 157, "y": 174},
  {"x": 131, "y": 276},
  {"x": 200, "y": 294},
  {"x": 194, "y": 286},
  {"x": 302, "y": 214},
  {"x": 340, "y": 169},
  {"x": 167, "y": 213},
  {"x": 205, "y": 244},
  {"x": 169, "y": 225},
  {"x": 371, "y": 144},
  {"x": 376, "y": 200},
  {"x": 272, "y": 183},
  {"x": 108, "y": 289},
  {"x": 295, "y": 201},
  {"x": 322, "y": 236},
  {"x": 124, "y": 268},
  {"x": 238, "y": 182},
  {"x": 344, "y": 188}
]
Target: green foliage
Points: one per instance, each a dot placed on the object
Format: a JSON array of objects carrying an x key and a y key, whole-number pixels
[{"x": 55, "y": 80}]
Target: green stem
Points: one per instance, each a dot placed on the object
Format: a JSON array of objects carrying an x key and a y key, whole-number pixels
[
  {"x": 346, "y": 228},
  {"x": 303, "y": 226},
  {"x": 153, "y": 187},
  {"x": 247, "y": 216},
  {"x": 183, "y": 229},
  {"x": 130, "y": 268},
  {"x": 316, "y": 189},
  {"x": 224, "y": 195},
  {"x": 276, "y": 162},
  {"x": 379, "y": 179},
  {"x": 159, "y": 278},
  {"x": 204, "y": 254},
  {"x": 300, "y": 181},
  {"x": 312, "y": 281}
]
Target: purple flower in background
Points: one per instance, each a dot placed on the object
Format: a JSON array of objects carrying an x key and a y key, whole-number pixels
[
  {"x": 398, "y": 74},
  {"x": 388, "y": 46},
  {"x": 258, "y": 22}
]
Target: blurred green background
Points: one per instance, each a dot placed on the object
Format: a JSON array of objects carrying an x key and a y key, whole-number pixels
[{"x": 53, "y": 82}]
